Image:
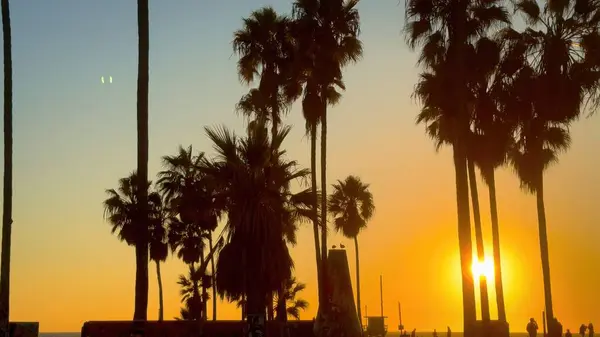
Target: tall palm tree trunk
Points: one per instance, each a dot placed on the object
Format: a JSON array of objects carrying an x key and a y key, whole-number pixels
[
  {"x": 8, "y": 180},
  {"x": 141, "y": 249},
  {"x": 256, "y": 303},
  {"x": 204, "y": 291},
  {"x": 313, "y": 178},
  {"x": 496, "y": 247},
  {"x": 160, "y": 293},
  {"x": 281, "y": 304},
  {"x": 324, "y": 270},
  {"x": 213, "y": 279},
  {"x": 243, "y": 306},
  {"x": 545, "y": 257},
  {"x": 357, "y": 282},
  {"x": 458, "y": 41},
  {"x": 464, "y": 238},
  {"x": 485, "y": 303},
  {"x": 282, "y": 311}
]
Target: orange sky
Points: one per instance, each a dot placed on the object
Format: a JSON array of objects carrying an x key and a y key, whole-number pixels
[{"x": 74, "y": 138}]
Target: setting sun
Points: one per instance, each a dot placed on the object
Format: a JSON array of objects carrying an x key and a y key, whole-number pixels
[{"x": 484, "y": 268}]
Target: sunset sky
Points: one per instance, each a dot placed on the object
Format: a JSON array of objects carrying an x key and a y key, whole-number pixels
[{"x": 75, "y": 137}]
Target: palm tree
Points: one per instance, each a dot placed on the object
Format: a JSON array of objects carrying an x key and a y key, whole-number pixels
[
  {"x": 288, "y": 299},
  {"x": 440, "y": 128},
  {"x": 444, "y": 28},
  {"x": 190, "y": 294},
  {"x": 255, "y": 260},
  {"x": 326, "y": 34},
  {"x": 311, "y": 110},
  {"x": 553, "y": 64},
  {"x": 490, "y": 141},
  {"x": 260, "y": 45},
  {"x": 351, "y": 204},
  {"x": 159, "y": 247},
  {"x": 121, "y": 209},
  {"x": 191, "y": 197},
  {"x": 141, "y": 250},
  {"x": 8, "y": 181},
  {"x": 537, "y": 148}
]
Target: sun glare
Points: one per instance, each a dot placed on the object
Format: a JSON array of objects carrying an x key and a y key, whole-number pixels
[{"x": 485, "y": 268}]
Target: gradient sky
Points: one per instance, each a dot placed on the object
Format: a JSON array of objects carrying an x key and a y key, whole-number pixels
[{"x": 74, "y": 137}]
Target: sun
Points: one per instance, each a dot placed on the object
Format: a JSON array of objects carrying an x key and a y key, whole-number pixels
[{"x": 485, "y": 268}]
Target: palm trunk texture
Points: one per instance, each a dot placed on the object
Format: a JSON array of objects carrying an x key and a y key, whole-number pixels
[
  {"x": 496, "y": 247},
  {"x": 464, "y": 239},
  {"x": 357, "y": 282},
  {"x": 545, "y": 258},
  {"x": 458, "y": 41},
  {"x": 141, "y": 249},
  {"x": 8, "y": 175},
  {"x": 324, "y": 268},
  {"x": 161, "y": 307},
  {"x": 313, "y": 178},
  {"x": 213, "y": 278},
  {"x": 485, "y": 303}
]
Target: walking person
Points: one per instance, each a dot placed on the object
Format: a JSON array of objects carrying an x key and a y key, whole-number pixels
[
  {"x": 582, "y": 329},
  {"x": 532, "y": 327},
  {"x": 591, "y": 329}
]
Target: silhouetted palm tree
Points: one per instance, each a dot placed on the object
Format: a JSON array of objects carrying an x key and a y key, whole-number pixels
[
  {"x": 159, "y": 246},
  {"x": 190, "y": 295},
  {"x": 141, "y": 251},
  {"x": 255, "y": 260},
  {"x": 8, "y": 173},
  {"x": 311, "y": 109},
  {"x": 440, "y": 127},
  {"x": 484, "y": 77},
  {"x": 444, "y": 28},
  {"x": 351, "y": 204},
  {"x": 260, "y": 45},
  {"x": 192, "y": 198},
  {"x": 326, "y": 34},
  {"x": 121, "y": 210},
  {"x": 491, "y": 139},
  {"x": 553, "y": 64},
  {"x": 291, "y": 304}
]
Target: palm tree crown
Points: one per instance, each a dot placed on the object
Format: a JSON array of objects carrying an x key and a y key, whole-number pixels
[{"x": 352, "y": 205}]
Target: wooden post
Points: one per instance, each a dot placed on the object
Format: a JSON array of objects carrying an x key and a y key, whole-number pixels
[
  {"x": 381, "y": 292},
  {"x": 544, "y": 322}
]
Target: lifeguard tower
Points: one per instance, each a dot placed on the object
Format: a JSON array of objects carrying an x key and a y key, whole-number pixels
[{"x": 376, "y": 326}]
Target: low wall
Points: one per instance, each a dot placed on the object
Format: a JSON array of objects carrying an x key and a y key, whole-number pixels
[
  {"x": 493, "y": 328},
  {"x": 24, "y": 329},
  {"x": 189, "y": 328}
]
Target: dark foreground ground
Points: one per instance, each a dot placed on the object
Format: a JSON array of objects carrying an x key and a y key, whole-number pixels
[{"x": 190, "y": 329}]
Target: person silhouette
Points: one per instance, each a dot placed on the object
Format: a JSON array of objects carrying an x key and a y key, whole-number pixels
[
  {"x": 435, "y": 333},
  {"x": 532, "y": 327},
  {"x": 413, "y": 333},
  {"x": 591, "y": 329},
  {"x": 568, "y": 333},
  {"x": 449, "y": 333},
  {"x": 582, "y": 329}
]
